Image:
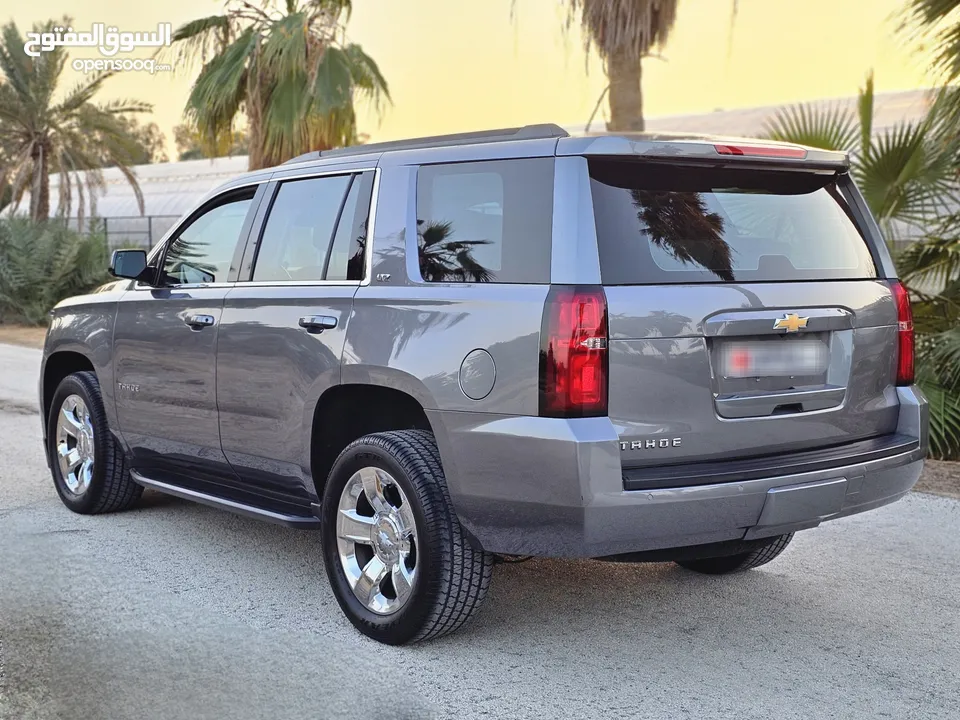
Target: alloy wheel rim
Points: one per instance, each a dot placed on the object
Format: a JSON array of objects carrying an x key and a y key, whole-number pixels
[
  {"x": 377, "y": 540},
  {"x": 75, "y": 444}
]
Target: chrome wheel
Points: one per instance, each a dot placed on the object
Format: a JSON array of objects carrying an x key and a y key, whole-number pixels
[
  {"x": 377, "y": 540},
  {"x": 75, "y": 444}
]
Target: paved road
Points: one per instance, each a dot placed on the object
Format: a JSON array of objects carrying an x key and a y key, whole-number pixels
[{"x": 176, "y": 610}]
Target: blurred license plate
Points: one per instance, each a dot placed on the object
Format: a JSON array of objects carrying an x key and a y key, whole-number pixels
[{"x": 764, "y": 359}]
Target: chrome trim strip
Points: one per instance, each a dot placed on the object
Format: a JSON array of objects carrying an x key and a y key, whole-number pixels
[
  {"x": 296, "y": 283},
  {"x": 192, "y": 286},
  {"x": 257, "y": 283},
  {"x": 280, "y": 178},
  {"x": 299, "y": 521},
  {"x": 371, "y": 227}
]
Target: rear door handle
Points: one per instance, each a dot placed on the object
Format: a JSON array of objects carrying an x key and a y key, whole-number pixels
[
  {"x": 318, "y": 323},
  {"x": 199, "y": 321}
]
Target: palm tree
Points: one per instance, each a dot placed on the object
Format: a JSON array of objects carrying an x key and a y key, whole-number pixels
[
  {"x": 624, "y": 32},
  {"x": 73, "y": 138},
  {"x": 290, "y": 71},
  {"x": 931, "y": 269},
  {"x": 908, "y": 174}
]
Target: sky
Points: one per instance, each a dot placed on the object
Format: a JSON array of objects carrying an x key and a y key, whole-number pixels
[{"x": 455, "y": 66}]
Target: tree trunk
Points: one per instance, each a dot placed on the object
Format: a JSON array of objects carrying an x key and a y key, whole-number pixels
[
  {"x": 626, "y": 95},
  {"x": 255, "y": 130},
  {"x": 255, "y": 148},
  {"x": 40, "y": 191}
]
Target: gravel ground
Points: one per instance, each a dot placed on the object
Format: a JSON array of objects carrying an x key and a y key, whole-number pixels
[
  {"x": 940, "y": 478},
  {"x": 23, "y": 335},
  {"x": 176, "y": 610}
]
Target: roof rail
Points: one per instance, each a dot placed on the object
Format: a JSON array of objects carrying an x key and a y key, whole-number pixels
[{"x": 528, "y": 132}]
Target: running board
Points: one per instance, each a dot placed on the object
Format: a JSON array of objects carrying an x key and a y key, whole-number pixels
[{"x": 304, "y": 522}]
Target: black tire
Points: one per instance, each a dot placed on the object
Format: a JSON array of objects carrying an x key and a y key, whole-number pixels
[
  {"x": 452, "y": 576},
  {"x": 111, "y": 488},
  {"x": 739, "y": 563}
]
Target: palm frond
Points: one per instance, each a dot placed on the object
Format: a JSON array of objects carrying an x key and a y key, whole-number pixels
[
  {"x": 212, "y": 103},
  {"x": 367, "y": 77},
  {"x": 42, "y": 263},
  {"x": 195, "y": 41},
  {"x": 83, "y": 93},
  {"x": 284, "y": 51},
  {"x": 834, "y": 128},
  {"x": 865, "y": 114},
  {"x": 944, "y": 409},
  {"x": 333, "y": 81},
  {"x": 932, "y": 261},
  {"x": 906, "y": 174},
  {"x": 636, "y": 26},
  {"x": 936, "y": 23}
]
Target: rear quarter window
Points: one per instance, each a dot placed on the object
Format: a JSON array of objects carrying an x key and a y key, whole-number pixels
[
  {"x": 485, "y": 221},
  {"x": 663, "y": 224}
]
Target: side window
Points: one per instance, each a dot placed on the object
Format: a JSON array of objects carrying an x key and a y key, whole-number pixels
[
  {"x": 346, "y": 256},
  {"x": 485, "y": 221},
  {"x": 299, "y": 229},
  {"x": 203, "y": 251}
]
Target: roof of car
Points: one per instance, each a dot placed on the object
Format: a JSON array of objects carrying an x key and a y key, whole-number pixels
[
  {"x": 678, "y": 145},
  {"x": 655, "y": 145}
]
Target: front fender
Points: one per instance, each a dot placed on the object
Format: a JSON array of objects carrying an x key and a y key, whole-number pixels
[{"x": 84, "y": 325}]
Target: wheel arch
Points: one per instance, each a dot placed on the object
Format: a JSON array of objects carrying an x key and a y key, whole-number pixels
[
  {"x": 56, "y": 367},
  {"x": 349, "y": 411}
]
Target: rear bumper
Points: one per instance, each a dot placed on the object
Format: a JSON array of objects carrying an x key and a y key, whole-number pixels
[{"x": 548, "y": 487}]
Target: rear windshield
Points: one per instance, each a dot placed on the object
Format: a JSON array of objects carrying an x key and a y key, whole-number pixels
[{"x": 661, "y": 224}]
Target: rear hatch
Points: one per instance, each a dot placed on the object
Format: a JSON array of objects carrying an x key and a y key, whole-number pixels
[{"x": 747, "y": 315}]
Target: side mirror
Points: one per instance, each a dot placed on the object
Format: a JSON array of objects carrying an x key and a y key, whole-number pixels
[{"x": 130, "y": 264}]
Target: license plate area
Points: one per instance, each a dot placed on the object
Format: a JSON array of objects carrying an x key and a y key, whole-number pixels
[
  {"x": 750, "y": 364},
  {"x": 772, "y": 359}
]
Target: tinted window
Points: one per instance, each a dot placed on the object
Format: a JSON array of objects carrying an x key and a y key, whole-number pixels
[
  {"x": 297, "y": 235},
  {"x": 485, "y": 221},
  {"x": 346, "y": 257},
  {"x": 202, "y": 253},
  {"x": 664, "y": 224}
]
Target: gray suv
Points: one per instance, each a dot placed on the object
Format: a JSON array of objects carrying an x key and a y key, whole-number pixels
[{"x": 447, "y": 351}]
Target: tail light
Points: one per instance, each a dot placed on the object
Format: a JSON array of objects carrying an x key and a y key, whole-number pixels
[
  {"x": 573, "y": 353},
  {"x": 904, "y": 334},
  {"x": 768, "y": 151}
]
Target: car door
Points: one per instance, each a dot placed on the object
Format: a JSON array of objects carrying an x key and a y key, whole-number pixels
[
  {"x": 165, "y": 341},
  {"x": 283, "y": 330}
]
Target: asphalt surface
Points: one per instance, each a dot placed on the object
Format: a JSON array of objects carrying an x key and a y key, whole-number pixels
[{"x": 180, "y": 611}]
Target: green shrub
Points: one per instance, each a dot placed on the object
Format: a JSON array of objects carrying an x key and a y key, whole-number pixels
[{"x": 43, "y": 263}]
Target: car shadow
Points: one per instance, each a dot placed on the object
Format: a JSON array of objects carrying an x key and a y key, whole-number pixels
[{"x": 541, "y": 598}]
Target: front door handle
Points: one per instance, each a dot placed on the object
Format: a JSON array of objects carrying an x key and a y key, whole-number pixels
[
  {"x": 197, "y": 322},
  {"x": 318, "y": 323}
]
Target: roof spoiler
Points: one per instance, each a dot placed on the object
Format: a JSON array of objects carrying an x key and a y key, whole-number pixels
[{"x": 713, "y": 150}]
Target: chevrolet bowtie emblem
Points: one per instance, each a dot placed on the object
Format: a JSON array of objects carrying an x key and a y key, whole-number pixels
[{"x": 790, "y": 322}]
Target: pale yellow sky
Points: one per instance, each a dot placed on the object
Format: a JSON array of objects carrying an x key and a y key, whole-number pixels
[{"x": 457, "y": 65}]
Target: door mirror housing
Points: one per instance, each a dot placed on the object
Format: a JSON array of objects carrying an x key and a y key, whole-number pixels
[{"x": 130, "y": 264}]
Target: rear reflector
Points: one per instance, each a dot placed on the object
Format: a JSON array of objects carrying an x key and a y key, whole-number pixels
[
  {"x": 905, "y": 340},
  {"x": 771, "y": 151},
  {"x": 573, "y": 353}
]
